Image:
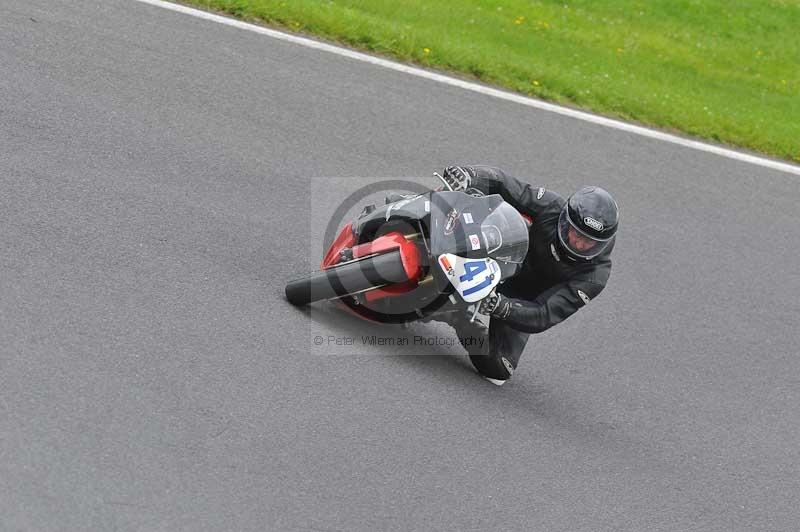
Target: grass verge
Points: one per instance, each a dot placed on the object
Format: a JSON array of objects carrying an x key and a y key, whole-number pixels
[{"x": 725, "y": 70}]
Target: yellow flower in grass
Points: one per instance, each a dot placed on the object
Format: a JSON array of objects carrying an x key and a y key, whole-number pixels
[
  {"x": 535, "y": 83},
  {"x": 426, "y": 51},
  {"x": 519, "y": 20}
]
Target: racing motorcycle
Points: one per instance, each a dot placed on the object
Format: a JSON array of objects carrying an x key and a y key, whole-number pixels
[{"x": 421, "y": 256}]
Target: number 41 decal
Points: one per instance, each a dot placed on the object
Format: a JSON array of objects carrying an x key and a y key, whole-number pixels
[
  {"x": 474, "y": 279},
  {"x": 471, "y": 269}
]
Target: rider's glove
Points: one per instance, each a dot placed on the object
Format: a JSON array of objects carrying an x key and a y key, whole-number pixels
[
  {"x": 495, "y": 305},
  {"x": 458, "y": 178}
]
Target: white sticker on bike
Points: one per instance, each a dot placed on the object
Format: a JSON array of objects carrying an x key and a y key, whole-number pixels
[
  {"x": 473, "y": 279},
  {"x": 475, "y": 242},
  {"x": 468, "y": 218}
]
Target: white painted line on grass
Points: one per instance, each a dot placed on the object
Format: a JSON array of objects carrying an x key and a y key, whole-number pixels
[{"x": 474, "y": 87}]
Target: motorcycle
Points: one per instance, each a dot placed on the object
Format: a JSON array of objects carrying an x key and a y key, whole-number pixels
[{"x": 419, "y": 257}]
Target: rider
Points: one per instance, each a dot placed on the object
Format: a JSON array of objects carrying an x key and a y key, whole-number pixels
[{"x": 567, "y": 264}]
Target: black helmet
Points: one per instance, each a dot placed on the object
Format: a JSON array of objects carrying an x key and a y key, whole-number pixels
[{"x": 588, "y": 223}]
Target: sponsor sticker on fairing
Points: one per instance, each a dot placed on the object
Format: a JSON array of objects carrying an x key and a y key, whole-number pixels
[
  {"x": 450, "y": 224},
  {"x": 475, "y": 242},
  {"x": 446, "y": 266},
  {"x": 468, "y": 218},
  {"x": 583, "y": 296},
  {"x": 540, "y": 193}
]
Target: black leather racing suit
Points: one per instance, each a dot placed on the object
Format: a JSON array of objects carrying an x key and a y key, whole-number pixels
[{"x": 550, "y": 286}]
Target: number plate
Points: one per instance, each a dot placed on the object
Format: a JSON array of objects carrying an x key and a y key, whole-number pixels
[{"x": 473, "y": 279}]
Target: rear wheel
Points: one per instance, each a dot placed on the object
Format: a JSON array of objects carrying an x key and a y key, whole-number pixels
[{"x": 348, "y": 278}]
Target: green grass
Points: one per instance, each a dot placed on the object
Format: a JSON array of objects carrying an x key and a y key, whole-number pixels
[{"x": 727, "y": 70}]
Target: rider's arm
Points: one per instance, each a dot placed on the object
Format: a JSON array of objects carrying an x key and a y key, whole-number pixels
[
  {"x": 552, "y": 306},
  {"x": 522, "y": 196}
]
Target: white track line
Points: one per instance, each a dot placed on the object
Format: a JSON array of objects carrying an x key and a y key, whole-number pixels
[{"x": 503, "y": 95}]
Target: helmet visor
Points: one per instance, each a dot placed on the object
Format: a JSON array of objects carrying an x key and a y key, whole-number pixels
[{"x": 577, "y": 242}]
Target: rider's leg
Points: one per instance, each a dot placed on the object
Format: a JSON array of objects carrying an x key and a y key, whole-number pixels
[
  {"x": 499, "y": 360},
  {"x": 473, "y": 337},
  {"x": 495, "y": 354}
]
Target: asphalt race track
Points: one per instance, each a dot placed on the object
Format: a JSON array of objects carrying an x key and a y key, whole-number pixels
[{"x": 162, "y": 177}]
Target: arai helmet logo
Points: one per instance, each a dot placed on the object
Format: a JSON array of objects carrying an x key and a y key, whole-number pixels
[
  {"x": 583, "y": 296},
  {"x": 594, "y": 224}
]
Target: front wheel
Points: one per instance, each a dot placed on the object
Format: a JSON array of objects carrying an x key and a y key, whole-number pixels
[{"x": 348, "y": 278}]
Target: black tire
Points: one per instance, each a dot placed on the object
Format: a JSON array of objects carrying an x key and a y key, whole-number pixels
[{"x": 348, "y": 278}]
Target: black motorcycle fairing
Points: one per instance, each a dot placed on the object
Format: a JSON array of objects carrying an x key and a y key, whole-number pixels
[
  {"x": 393, "y": 216},
  {"x": 457, "y": 227}
]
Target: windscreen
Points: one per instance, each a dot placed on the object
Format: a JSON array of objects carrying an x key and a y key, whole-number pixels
[{"x": 505, "y": 235}]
